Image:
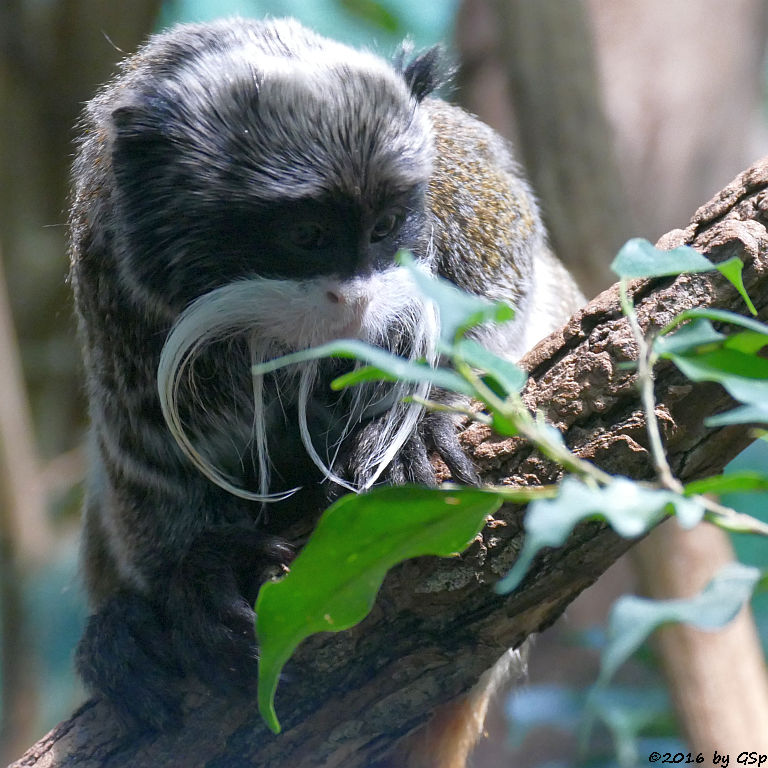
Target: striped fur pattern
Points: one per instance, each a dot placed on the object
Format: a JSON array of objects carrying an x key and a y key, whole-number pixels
[{"x": 240, "y": 189}]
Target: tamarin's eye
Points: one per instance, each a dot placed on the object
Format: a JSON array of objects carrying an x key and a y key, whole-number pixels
[
  {"x": 309, "y": 235},
  {"x": 386, "y": 225}
]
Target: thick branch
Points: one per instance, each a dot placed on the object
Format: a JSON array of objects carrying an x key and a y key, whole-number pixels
[{"x": 437, "y": 624}]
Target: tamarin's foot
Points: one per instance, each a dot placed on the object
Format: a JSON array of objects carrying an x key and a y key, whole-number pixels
[
  {"x": 125, "y": 658},
  {"x": 440, "y": 433},
  {"x": 136, "y": 651},
  {"x": 210, "y": 602}
]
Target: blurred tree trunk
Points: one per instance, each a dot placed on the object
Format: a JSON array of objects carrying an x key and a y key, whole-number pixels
[
  {"x": 25, "y": 537},
  {"x": 544, "y": 52},
  {"x": 717, "y": 680},
  {"x": 683, "y": 85},
  {"x": 52, "y": 57},
  {"x": 625, "y": 115}
]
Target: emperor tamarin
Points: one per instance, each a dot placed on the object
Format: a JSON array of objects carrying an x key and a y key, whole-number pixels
[{"x": 248, "y": 184}]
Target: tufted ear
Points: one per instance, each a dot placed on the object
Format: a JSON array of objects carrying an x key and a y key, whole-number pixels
[
  {"x": 142, "y": 117},
  {"x": 424, "y": 73},
  {"x": 127, "y": 120},
  {"x": 139, "y": 135},
  {"x": 142, "y": 152}
]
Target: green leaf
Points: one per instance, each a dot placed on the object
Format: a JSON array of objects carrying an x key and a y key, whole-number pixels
[
  {"x": 374, "y": 13},
  {"x": 360, "y": 375},
  {"x": 503, "y": 425},
  {"x": 719, "y": 316},
  {"x": 699, "y": 333},
  {"x": 704, "y": 354},
  {"x": 391, "y": 366},
  {"x": 626, "y": 713},
  {"x": 634, "y": 618},
  {"x": 638, "y": 258},
  {"x": 728, "y": 483},
  {"x": 745, "y": 377},
  {"x": 631, "y": 510},
  {"x": 755, "y": 413},
  {"x": 459, "y": 311},
  {"x": 509, "y": 376},
  {"x": 731, "y": 269},
  {"x": 748, "y": 342},
  {"x": 722, "y": 364},
  {"x": 333, "y": 582}
]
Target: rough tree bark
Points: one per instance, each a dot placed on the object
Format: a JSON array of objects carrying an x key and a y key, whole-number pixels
[
  {"x": 437, "y": 625},
  {"x": 605, "y": 98}
]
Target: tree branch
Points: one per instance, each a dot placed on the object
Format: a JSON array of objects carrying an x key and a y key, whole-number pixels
[{"x": 437, "y": 625}]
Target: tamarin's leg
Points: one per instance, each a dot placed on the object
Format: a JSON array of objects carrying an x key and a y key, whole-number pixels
[
  {"x": 136, "y": 650},
  {"x": 125, "y": 657},
  {"x": 210, "y": 602}
]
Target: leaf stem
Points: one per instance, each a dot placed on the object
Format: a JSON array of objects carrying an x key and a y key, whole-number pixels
[
  {"x": 524, "y": 494},
  {"x": 514, "y": 409},
  {"x": 432, "y": 405},
  {"x": 647, "y": 397},
  {"x": 729, "y": 519}
]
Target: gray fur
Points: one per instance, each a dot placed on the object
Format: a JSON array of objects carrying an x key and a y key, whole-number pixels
[{"x": 240, "y": 190}]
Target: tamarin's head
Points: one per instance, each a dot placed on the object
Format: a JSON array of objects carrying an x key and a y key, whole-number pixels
[
  {"x": 253, "y": 180},
  {"x": 269, "y": 152}
]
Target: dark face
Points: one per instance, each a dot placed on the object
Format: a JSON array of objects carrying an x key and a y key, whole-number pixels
[
  {"x": 308, "y": 238},
  {"x": 192, "y": 252},
  {"x": 202, "y": 206}
]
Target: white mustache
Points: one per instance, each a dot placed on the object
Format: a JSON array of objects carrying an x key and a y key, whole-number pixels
[{"x": 281, "y": 316}]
